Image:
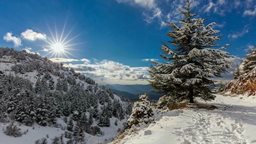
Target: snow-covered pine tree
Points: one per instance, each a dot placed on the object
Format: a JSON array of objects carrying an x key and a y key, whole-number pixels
[
  {"x": 104, "y": 120},
  {"x": 78, "y": 134},
  {"x": 38, "y": 86},
  {"x": 248, "y": 64},
  {"x": 189, "y": 67},
  {"x": 141, "y": 112},
  {"x": 245, "y": 76}
]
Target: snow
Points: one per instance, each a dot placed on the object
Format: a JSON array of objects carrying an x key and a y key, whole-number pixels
[
  {"x": 37, "y": 132},
  {"x": 31, "y": 136},
  {"x": 31, "y": 76},
  {"x": 6, "y": 66},
  {"x": 232, "y": 123},
  {"x": 109, "y": 133}
]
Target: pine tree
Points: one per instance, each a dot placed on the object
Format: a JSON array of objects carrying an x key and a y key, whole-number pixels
[
  {"x": 141, "y": 112},
  {"x": 104, "y": 118},
  {"x": 38, "y": 86},
  {"x": 78, "y": 133},
  {"x": 84, "y": 122},
  {"x": 248, "y": 64},
  {"x": 70, "y": 125},
  {"x": 51, "y": 84},
  {"x": 189, "y": 66},
  {"x": 245, "y": 76},
  {"x": 250, "y": 61}
]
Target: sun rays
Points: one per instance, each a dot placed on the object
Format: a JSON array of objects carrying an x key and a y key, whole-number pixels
[{"x": 59, "y": 44}]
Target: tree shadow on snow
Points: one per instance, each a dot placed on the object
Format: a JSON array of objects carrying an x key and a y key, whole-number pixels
[{"x": 247, "y": 114}]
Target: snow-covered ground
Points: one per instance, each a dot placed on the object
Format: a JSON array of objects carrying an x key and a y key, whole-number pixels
[
  {"x": 31, "y": 134},
  {"x": 234, "y": 122}
]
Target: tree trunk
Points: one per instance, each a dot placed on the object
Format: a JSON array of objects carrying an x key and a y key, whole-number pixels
[{"x": 191, "y": 96}]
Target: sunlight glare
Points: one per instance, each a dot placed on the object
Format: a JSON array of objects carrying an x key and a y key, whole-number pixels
[{"x": 59, "y": 44}]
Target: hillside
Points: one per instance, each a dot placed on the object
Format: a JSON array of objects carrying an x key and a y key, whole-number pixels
[
  {"x": 44, "y": 100},
  {"x": 233, "y": 122}
]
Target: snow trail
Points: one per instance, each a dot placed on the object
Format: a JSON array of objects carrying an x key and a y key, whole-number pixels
[
  {"x": 232, "y": 123},
  {"x": 211, "y": 128}
]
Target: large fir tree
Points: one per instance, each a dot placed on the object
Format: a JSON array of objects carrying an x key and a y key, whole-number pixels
[{"x": 194, "y": 60}]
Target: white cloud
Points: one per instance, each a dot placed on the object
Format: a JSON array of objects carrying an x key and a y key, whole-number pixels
[
  {"x": 223, "y": 6},
  {"x": 149, "y": 60},
  {"x": 29, "y": 50},
  {"x": 239, "y": 34},
  {"x": 250, "y": 48},
  {"x": 150, "y": 4},
  {"x": 9, "y": 37},
  {"x": 45, "y": 49},
  {"x": 31, "y": 35},
  {"x": 250, "y": 12},
  {"x": 217, "y": 7},
  {"x": 111, "y": 72},
  {"x": 152, "y": 10},
  {"x": 164, "y": 11},
  {"x": 220, "y": 25},
  {"x": 209, "y": 7},
  {"x": 146, "y": 3},
  {"x": 86, "y": 61},
  {"x": 64, "y": 60}
]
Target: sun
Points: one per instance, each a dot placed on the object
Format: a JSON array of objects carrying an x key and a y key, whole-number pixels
[
  {"x": 59, "y": 45},
  {"x": 58, "y": 48}
]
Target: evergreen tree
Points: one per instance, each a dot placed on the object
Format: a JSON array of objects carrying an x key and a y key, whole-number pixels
[
  {"x": 245, "y": 77},
  {"x": 141, "y": 112},
  {"x": 248, "y": 64},
  {"x": 78, "y": 134},
  {"x": 189, "y": 66},
  {"x": 69, "y": 131},
  {"x": 51, "y": 84},
  {"x": 38, "y": 86},
  {"x": 56, "y": 92},
  {"x": 104, "y": 118}
]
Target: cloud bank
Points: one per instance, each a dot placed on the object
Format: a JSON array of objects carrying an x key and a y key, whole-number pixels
[{"x": 107, "y": 71}]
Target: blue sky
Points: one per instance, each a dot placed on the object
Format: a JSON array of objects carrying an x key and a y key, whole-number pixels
[{"x": 118, "y": 35}]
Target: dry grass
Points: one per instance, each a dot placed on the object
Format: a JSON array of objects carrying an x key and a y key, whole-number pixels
[
  {"x": 251, "y": 85},
  {"x": 191, "y": 105},
  {"x": 246, "y": 84},
  {"x": 172, "y": 106}
]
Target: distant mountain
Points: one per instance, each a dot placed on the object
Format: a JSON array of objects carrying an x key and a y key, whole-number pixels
[
  {"x": 125, "y": 95},
  {"x": 34, "y": 91},
  {"x": 133, "y": 91}
]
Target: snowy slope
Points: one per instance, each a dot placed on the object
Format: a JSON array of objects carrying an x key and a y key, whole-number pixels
[
  {"x": 25, "y": 76},
  {"x": 37, "y": 132},
  {"x": 234, "y": 122}
]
